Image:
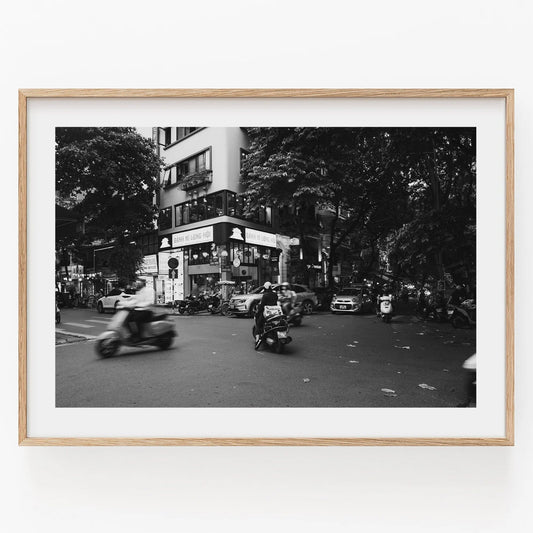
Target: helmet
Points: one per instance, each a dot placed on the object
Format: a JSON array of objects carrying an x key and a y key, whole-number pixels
[{"x": 267, "y": 285}]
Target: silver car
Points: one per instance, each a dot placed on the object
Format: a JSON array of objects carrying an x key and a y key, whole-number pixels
[
  {"x": 355, "y": 299},
  {"x": 246, "y": 304}
]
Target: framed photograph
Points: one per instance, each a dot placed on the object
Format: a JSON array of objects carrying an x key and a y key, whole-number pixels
[{"x": 266, "y": 267}]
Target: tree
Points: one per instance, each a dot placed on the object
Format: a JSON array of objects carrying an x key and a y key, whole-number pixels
[
  {"x": 107, "y": 177},
  {"x": 346, "y": 174},
  {"x": 440, "y": 234}
]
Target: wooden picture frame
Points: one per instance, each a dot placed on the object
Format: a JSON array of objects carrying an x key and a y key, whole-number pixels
[{"x": 504, "y": 95}]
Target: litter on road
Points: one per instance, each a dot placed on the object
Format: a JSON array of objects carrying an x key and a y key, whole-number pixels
[
  {"x": 426, "y": 386},
  {"x": 389, "y": 392},
  {"x": 306, "y": 380},
  {"x": 354, "y": 362},
  {"x": 403, "y": 347}
]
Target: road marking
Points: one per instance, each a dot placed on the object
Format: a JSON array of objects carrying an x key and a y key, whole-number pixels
[
  {"x": 80, "y": 335},
  {"x": 98, "y": 321},
  {"x": 77, "y": 324}
]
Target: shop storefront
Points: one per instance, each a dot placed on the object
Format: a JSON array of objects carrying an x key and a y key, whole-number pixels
[{"x": 216, "y": 253}]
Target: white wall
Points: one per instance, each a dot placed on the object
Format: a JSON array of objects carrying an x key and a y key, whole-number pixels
[{"x": 274, "y": 43}]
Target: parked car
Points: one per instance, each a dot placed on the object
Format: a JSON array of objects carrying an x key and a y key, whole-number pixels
[
  {"x": 245, "y": 304},
  {"x": 354, "y": 299},
  {"x": 113, "y": 300}
]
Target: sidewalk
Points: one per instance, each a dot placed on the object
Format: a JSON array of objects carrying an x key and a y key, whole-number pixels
[{"x": 64, "y": 338}]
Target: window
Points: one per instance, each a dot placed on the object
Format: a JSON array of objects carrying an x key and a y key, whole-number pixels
[
  {"x": 216, "y": 205},
  {"x": 165, "y": 218},
  {"x": 182, "y": 132},
  {"x": 193, "y": 165},
  {"x": 200, "y": 254},
  {"x": 163, "y": 136}
]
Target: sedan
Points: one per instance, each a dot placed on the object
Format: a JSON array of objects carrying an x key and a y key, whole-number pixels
[
  {"x": 112, "y": 301},
  {"x": 354, "y": 299}
]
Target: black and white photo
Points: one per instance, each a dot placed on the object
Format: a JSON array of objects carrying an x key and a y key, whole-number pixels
[{"x": 265, "y": 266}]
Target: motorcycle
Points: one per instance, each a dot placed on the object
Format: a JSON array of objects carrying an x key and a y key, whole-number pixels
[
  {"x": 464, "y": 314},
  {"x": 214, "y": 303},
  {"x": 294, "y": 313},
  {"x": 385, "y": 308},
  {"x": 159, "y": 331},
  {"x": 193, "y": 304},
  {"x": 275, "y": 329}
]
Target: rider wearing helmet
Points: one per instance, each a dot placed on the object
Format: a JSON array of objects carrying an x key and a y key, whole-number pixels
[
  {"x": 287, "y": 297},
  {"x": 269, "y": 298}
]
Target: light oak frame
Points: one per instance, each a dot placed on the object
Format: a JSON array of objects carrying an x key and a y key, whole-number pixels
[{"x": 506, "y": 94}]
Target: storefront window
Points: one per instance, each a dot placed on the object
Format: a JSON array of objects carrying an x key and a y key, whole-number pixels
[{"x": 200, "y": 254}]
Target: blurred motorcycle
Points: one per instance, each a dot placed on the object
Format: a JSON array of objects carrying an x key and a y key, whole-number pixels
[{"x": 158, "y": 331}]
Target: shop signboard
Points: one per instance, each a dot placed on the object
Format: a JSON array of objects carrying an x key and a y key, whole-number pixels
[
  {"x": 149, "y": 264},
  {"x": 261, "y": 238},
  {"x": 193, "y": 236}
]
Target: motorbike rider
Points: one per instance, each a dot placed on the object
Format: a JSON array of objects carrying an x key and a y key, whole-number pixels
[
  {"x": 140, "y": 312},
  {"x": 287, "y": 298},
  {"x": 269, "y": 298},
  {"x": 386, "y": 292}
]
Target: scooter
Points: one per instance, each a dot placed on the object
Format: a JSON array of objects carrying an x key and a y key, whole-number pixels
[
  {"x": 464, "y": 315},
  {"x": 294, "y": 314},
  {"x": 385, "y": 308},
  {"x": 275, "y": 330},
  {"x": 159, "y": 331},
  {"x": 214, "y": 303},
  {"x": 193, "y": 304}
]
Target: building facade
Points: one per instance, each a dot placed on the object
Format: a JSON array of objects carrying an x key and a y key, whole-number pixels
[{"x": 202, "y": 221}]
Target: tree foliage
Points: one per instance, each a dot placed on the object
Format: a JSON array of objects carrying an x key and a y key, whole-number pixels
[
  {"x": 107, "y": 177},
  {"x": 408, "y": 193}
]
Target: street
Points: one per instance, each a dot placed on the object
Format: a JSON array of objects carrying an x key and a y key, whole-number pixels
[{"x": 333, "y": 361}]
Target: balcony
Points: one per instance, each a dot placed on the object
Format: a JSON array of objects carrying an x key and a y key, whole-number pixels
[{"x": 198, "y": 179}]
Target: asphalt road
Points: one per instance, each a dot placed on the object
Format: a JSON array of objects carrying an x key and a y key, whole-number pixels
[{"x": 333, "y": 361}]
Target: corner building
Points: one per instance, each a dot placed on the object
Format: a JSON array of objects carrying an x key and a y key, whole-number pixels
[{"x": 201, "y": 220}]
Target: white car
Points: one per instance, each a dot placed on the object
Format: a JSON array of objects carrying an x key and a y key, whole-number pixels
[
  {"x": 246, "y": 304},
  {"x": 112, "y": 301}
]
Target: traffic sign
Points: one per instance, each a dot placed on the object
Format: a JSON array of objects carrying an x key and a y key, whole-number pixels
[{"x": 173, "y": 262}]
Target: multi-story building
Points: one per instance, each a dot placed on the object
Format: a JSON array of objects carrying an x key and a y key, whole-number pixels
[{"x": 202, "y": 220}]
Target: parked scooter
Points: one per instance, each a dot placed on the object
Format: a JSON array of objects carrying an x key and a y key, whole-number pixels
[
  {"x": 214, "y": 303},
  {"x": 275, "y": 332},
  {"x": 159, "y": 331},
  {"x": 193, "y": 304},
  {"x": 385, "y": 308},
  {"x": 464, "y": 314}
]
